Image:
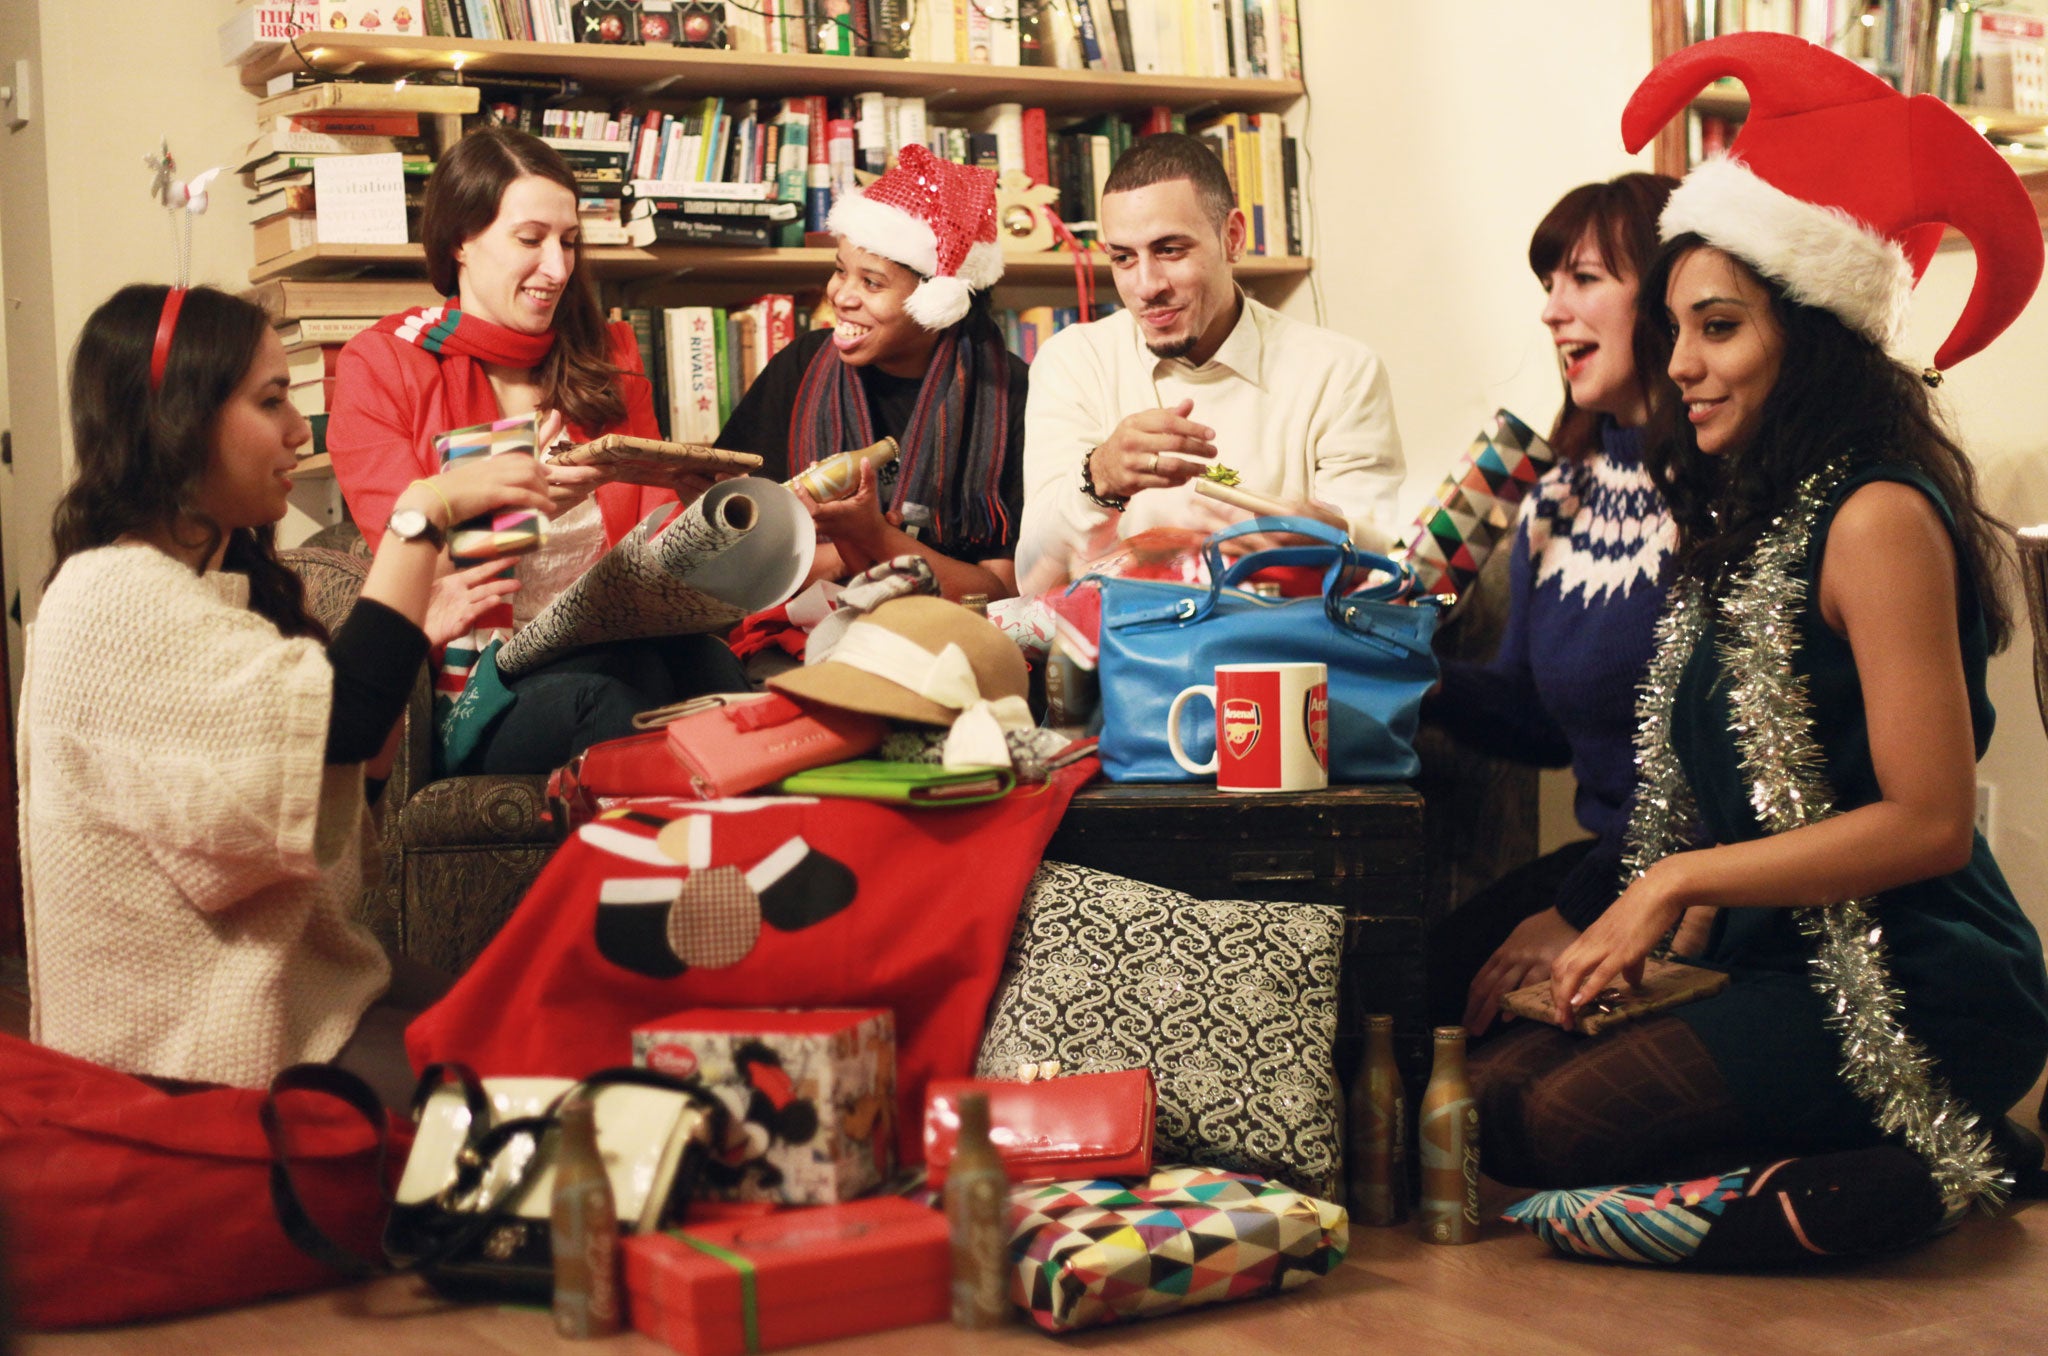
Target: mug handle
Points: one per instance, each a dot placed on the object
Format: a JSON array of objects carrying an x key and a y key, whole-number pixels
[{"x": 1173, "y": 731}]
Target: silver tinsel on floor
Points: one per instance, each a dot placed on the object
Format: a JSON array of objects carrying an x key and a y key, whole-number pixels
[{"x": 1773, "y": 730}]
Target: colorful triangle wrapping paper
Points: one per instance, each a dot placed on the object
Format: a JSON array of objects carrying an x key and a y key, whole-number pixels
[
  {"x": 1091, "y": 1253},
  {"x": 1475, "y": 508}
]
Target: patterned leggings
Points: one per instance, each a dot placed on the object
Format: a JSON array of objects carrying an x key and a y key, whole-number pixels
[{"x": 1643, "y": 1102}]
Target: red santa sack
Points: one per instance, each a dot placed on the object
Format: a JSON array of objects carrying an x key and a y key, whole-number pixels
[
  {"x": 773, "y": 901},
  {"x": 123, "y": 1201}
]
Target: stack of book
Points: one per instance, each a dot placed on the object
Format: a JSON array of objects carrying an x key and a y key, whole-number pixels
[
  {"x": 1026, "y": 330},
  {"x": 314, "y": 319},
  {"x": 300, "y": 127}
]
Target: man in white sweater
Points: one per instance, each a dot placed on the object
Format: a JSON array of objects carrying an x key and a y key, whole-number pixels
[{"x": 1124, "y": 412}]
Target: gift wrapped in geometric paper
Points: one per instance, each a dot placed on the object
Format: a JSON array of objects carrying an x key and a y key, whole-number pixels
[
  {"x": 1090, "y": 1253},
  {"x": 1475, "y": 507}
]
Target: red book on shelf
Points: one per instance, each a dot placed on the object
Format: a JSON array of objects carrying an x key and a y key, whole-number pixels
[{"x": 1035, "y": 158}]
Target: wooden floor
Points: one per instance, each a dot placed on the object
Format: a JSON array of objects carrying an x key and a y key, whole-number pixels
[{"x": 1981, "y": 1291}]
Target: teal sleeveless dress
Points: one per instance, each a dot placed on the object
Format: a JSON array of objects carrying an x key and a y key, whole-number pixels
[{"x": 1963, "y": 954}]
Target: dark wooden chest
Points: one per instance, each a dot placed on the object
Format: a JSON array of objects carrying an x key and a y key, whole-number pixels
[{"x": 1358, "y": 849}]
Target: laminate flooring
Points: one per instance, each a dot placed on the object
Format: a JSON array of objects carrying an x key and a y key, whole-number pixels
[{"x": 1980, "y": 1291}]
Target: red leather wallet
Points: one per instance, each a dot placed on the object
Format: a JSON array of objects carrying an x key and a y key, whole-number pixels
[
  {"x": 1081, "y": 1125},
  {"x": 727, "y": 746}
]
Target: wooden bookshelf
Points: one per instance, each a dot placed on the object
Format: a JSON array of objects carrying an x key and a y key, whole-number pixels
[
  {"x": 783, "y": 267},
  {"x": 691, "y": 72}
]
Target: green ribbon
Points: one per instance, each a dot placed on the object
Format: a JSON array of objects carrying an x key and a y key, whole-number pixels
[{"x": 750, "y": 1312}]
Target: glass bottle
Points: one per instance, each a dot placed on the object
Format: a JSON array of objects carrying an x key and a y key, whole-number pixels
[
  {"x": 1379, "y": 1115},
  {"x": 977, "y": 603},
  {"x": 1448, "y": 1134},
  {"x": 584, "y": 1232},
  {"x": 977, "y": 1210}
]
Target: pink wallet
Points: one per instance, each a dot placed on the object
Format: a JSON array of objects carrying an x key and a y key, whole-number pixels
[{"x": 1081, "y": 1125}]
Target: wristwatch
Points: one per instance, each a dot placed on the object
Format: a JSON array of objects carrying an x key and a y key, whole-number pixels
[
  {"x": 410, "y": 524},
  {"x": 1088, "y": 484}
]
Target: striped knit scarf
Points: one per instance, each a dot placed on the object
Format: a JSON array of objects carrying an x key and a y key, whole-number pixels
[
  {"x": 953, "y": 448},
  {"x": 448, "y": 330}
]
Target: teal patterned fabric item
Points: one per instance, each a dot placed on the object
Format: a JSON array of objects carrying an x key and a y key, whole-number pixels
[
  {"x": 1658, "y": 1224},
  {"x": 1789, "y": 1213}
]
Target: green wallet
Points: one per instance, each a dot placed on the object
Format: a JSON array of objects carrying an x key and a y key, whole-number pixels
[{"x": 908, "y": 783}]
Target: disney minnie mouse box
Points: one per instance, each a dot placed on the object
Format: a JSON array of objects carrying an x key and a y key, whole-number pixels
[
  {"x": 812, "y": 1094},
  {"x": 790, "y": 1278}
]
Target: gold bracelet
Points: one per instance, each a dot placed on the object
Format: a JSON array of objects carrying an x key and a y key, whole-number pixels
[{"x": 446, "y": 507}]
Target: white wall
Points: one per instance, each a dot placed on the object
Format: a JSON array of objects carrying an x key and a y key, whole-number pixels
[{"x": 1441, "y": 134}]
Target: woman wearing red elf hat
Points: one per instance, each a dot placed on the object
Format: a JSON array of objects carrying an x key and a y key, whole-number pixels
[
  {"x": 1817, "y": 702},
  {"x": 914, "y": 355}
]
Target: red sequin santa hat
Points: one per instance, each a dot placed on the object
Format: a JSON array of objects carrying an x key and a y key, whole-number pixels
[
  {"x": 1838, "y": 187},
  {"x": 935, "y": 218}
]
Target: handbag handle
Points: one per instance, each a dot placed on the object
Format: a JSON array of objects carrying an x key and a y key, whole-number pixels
[{"x": 482, "y": 1142}]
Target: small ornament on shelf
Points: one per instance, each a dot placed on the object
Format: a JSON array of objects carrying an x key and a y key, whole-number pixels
[
  {"x": 658, "y": 23},
  {"x": 1023, "y": 221},
  {"x": 614, "y": 23},
  {"x": 701, "y": 25}
]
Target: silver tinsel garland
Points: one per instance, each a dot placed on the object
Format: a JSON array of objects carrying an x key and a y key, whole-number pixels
[{"x": 1773, "y": 730}]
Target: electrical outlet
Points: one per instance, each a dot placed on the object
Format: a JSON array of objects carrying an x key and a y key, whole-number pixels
[{"x": 1984, "y": 810}]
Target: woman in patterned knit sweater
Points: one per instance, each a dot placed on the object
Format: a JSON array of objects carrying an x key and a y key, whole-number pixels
[
  {"x": 1586, "y": 582},
  {"x": 193, "y": 745}
]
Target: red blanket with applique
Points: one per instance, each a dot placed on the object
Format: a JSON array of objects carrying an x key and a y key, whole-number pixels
[{"x": 760, "y": 902}]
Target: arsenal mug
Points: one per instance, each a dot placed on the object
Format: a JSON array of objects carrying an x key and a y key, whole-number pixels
[{"x": 1272, "y": 727}]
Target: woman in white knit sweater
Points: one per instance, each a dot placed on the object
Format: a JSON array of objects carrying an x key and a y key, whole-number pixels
[{"x": 193, "y": 745}]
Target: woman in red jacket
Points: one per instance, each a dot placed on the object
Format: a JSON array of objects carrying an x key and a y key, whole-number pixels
[{"x": 521, "y": 333}]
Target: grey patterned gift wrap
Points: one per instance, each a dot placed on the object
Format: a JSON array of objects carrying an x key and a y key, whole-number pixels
[
  {"x": 1232, "y": 1004},
  {"x": 741, "y": 546}
]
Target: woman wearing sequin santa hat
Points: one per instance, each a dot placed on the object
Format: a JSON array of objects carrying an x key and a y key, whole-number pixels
[
  {"x": 1818, "y": 703},
  {"x": 914, "y": 355}
]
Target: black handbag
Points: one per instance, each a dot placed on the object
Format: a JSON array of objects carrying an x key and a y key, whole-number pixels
[{"x": 470, "y": 1213}]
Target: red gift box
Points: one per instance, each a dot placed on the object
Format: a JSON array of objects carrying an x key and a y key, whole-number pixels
[{"x": 794, "y": 1277}]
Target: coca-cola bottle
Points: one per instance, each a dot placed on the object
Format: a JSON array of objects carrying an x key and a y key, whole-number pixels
[{"x": 1448, "y": 1134}]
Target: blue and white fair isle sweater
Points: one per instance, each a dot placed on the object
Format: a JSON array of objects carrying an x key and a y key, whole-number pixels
[{"x": 1586, "y": 582}]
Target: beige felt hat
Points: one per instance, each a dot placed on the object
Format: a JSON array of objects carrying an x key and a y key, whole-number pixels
[{"x": 920, "y": 659}]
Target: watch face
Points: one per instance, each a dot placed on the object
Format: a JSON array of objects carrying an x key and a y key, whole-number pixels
[{"x": 410, "y": 524}]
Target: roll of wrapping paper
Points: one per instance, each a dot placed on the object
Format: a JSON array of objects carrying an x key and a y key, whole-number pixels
[
  {"x": 838, "y": 476},
  {"x": 741, "y": 546},
  {"x": 509, "y": 532},
  {"x": 1475, "y": 508}
]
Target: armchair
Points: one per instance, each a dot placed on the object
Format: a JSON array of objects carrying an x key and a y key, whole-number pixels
[{"x": 459, "y": 852}]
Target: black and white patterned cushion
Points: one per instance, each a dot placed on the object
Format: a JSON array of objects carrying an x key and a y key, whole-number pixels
[{"x": 1232, "y": 1004}]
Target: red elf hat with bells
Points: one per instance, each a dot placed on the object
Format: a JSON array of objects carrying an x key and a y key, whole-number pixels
[
  {"x": 935, "y": 218},
  {"x": 1838, "y": 187}
]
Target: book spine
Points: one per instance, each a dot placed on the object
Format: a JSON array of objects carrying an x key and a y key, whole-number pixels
[
  {"x": 978, "y": 35},
  {"x": 670, "y": 230},
  {"x": 889, "y": 26},
  {"x": 781, "y": 324},
  {"x": 871, "y": 131},
  {"x": 1290, "y": 38},
  {"x": 1290, "y": 173},
  {"x": 1091, "y": 43},
  {"x": 1120, "y": 24},
  {"x": 721, "y": 338},
  {"x": 1031, "y": 131}
]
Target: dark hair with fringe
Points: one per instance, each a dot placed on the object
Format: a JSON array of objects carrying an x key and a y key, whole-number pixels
[
  {"x": 1837, "y": 395},
  {"x": 578, "y": 376},
  {"x": 1621, "y": 215},
  {"x": 1166, "y": 156},
  {"x": 142, "y": 454}
]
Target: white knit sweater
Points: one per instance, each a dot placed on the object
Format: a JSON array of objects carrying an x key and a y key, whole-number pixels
[{"x": 192, "y": 867}]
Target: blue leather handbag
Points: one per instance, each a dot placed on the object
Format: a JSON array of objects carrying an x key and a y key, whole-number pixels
[{"x": 1160, "y": 637}]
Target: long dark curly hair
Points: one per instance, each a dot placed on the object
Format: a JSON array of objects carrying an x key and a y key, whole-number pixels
[
  {"x": 1837, "y": 395},
  {"x": 142, "y": 453}
]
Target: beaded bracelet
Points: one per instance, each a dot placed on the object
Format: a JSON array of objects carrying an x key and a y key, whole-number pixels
[{"x": 1088, "y": 484}]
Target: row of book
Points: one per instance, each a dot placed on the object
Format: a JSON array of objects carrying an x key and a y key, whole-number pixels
[
  {"x": 700, "y": 359},
  {"x": 802, "y": 153},
  {"x": 1212, "y": 38},
  {"x": 1963, "y": 51}
]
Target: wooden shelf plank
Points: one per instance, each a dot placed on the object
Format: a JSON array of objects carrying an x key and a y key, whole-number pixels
[
  {"x": 1732, "y": 101},
  {"x": 684, "y": 72},
  {"x": 789, "y": 267}
]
